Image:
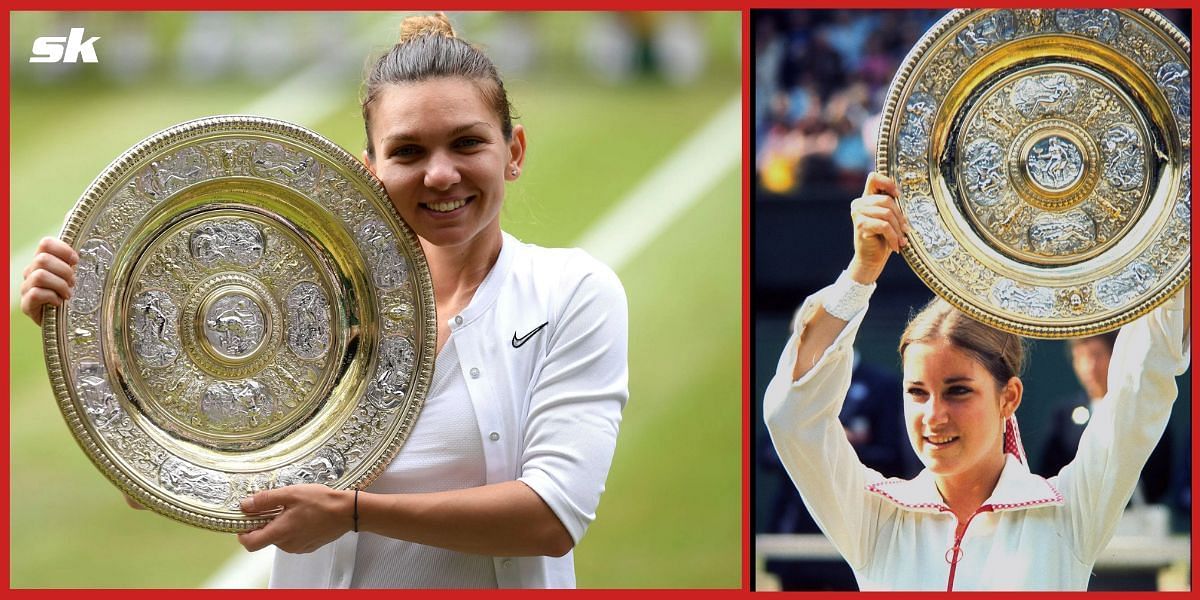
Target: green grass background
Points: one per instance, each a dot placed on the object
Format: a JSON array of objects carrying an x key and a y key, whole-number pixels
[{"x": 671, "y": 515}]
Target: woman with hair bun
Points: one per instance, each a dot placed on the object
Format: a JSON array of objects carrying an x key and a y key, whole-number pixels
[
  {"x": 504, "y": 468},
  {"x": 975, "y": 518}
]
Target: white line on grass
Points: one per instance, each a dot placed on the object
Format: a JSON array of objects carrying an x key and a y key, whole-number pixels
[
  {"x": 671, "y": 188},
  {"x": 244, "y": 570}
]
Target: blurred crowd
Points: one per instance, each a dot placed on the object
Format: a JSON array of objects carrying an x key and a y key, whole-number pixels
[
  {"x": 254, "y": 47},
  {"x": 821, "y": 79}
]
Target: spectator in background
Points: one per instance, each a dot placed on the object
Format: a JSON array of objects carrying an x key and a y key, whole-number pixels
[{"x": 1090, "y": 357}]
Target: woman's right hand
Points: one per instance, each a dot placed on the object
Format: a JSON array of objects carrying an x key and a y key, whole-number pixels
[
  {"x": 49, "y": 279},
  {"x": 879, "y": 228}
]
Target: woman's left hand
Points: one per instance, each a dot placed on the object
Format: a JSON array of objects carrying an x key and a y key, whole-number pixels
[{"x": 313, "y": 515}]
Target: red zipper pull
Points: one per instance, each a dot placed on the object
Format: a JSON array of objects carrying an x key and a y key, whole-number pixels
[{"x": 955, "y": 554}]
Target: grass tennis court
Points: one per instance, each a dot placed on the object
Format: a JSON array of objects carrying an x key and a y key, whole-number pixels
[{"x": 672, "y": 510}]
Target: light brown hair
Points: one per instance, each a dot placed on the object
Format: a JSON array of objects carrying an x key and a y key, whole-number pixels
[
  {"x": 1001, "y": 353},
  {"x": 429, "y": 49}
]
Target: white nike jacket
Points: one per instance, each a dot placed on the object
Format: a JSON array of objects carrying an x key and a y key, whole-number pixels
[
  {"x": 548, "y": 407},
  {"x": 1032, "y": 533}
]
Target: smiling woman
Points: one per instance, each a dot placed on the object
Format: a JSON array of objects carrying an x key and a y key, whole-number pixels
[
  {"x": 976, "y": 517},
  {"x": 444, "y": 160},
  {"x": 503, "y": 471},
  {"x": 962, "y": 390}
]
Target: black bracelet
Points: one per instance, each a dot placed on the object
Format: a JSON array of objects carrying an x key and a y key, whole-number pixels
[{"x": 355, "y": 510}]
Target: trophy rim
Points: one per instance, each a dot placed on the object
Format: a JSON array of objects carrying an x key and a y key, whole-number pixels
[{"x": 419, "y": 278}]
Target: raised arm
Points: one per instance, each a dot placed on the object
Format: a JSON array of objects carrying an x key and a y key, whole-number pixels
[
  {"x": 802, "y": 402},
  {"x": 1148, "y": 355},
  {"x": 879, "y": 230}
]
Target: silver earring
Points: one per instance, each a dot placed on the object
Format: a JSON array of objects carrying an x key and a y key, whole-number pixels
[{"x": 514, "y": 172}]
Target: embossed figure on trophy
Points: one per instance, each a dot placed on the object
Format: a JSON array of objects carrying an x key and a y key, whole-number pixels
[
  {"x": 379, "y": 247},
  {"x": 95, "y": 257},
  {"x": 232, "y": 155},
  {"x": 308, "y": 327},
  {"x": 1183, "y": 210},
  {"x": 972, "y": 43},
  {"x": 1060, "y": 235},
  {"x": 163, "y": 178},
  {"x": 1044, "y": 94},
  {"x": 1018, "y": 298},
  {"x": 238, "y": 327},
  {"x": 273, "y": 160},
  {"x": 918, "y": 121},
  {"x": 301, "y": 382},
  {"x": 179, "y": 388},
  {"x": 1055, "y": 163},
  {"x": 235, "y": 242},
  {"x": 983, "y": 172},
  {"x": 1123, "y": 157},
  {"x": 390, "y": 385},
  {"x": 1101, "y": 102},
  {"x": 154, "y": 328},
  {"x": 96, "y": 395},
  {"x": 1175, "y": 79},
  {"x": 998, "y": 120},
  {"x": 1004, "y": 226},
  {"x": 976, "y": 39},
  {"x": 172, "y": 173},
  {"x": 186, "y": 479},
  {"x": 228, "y": 157},
  {"x": 251, "y": 404},
  {"x": 326, "y": 466},
  {"x": 237, "y": 406},
  {"x": 154, "y": 322},
  {"x": 924, "y": 219},
  {"x": 1135, "y": 280},
  {"x": 1102, "y": 25},
  {"x": 321, "y": 470}
]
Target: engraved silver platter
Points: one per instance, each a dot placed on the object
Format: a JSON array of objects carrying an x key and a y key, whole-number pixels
[
  {"x": 1043, "y": 159},
  {"x": 249, "y": 313}
]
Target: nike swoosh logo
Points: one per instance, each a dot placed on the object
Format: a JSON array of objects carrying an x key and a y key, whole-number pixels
[{"x": 517, "y": 342}]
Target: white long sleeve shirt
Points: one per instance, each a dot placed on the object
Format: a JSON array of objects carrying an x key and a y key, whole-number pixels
[
  {"x": 542, "y": 354},
  {"x": 1032, "y": 533}
]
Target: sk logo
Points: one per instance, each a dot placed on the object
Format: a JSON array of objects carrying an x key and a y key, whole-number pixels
[{"x": 64, "y": 49}]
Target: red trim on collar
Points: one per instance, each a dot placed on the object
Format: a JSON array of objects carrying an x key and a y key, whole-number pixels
[
  {"x": 877, "y": 489},
  {"x": 1057, "y": 498}
]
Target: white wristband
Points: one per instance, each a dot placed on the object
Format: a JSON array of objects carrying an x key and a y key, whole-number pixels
[{"x": 846, "y": 297}]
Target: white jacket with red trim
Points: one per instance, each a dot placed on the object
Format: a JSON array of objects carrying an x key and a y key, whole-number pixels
[{"x": 1032, "y": 533}]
